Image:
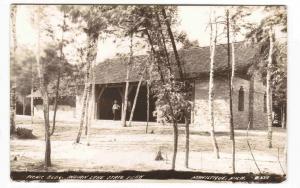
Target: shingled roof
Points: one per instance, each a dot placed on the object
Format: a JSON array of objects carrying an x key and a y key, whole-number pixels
[{"x": 196, "y": 63}]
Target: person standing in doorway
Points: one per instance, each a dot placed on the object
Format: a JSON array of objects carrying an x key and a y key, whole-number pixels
[{"x": 115, "y": 109}]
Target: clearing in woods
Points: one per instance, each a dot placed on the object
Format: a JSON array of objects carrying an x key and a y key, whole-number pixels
[{"x": 115, "y": 148}]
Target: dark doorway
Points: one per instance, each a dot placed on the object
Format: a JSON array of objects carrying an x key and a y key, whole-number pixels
[
  {"x": 105, "y": 103},
  {"x": 140, "y": 112}
]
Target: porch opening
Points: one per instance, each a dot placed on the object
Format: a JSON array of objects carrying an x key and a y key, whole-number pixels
[{"x": 105, "y": 102}]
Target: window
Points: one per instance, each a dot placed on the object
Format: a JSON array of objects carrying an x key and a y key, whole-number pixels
[
  {"x": 241, "y": 99},
  {"x": 265, "y": 102}
]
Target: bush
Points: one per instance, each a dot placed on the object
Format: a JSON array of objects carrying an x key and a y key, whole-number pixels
[{"x": 24, "y": 133}]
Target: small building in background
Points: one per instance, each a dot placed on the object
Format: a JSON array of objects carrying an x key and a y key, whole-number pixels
[
  {"x": 248, "y": 89},
  {"x": 66, "y": 109}
]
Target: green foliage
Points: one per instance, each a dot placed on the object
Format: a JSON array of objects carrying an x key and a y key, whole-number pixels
[
  {"x": 186, "y": 43},
  {"x": 277, "y": 21},
  {"x": 94, "y": 19},
  {"x": 24, "y": 74},
  {"x": 25, "y": 71},
  {"x": 171, "y": 94},
  {"x": 51, "y": 62},
  {"x": 279, "y": 73}
]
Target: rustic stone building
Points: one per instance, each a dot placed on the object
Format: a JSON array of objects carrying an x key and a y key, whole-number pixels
[{"x": 248, "y": 95}]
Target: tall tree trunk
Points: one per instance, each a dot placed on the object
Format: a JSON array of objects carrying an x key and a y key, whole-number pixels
[
  {"x": 59, "y": 71},
  {"x": 232, "y": 134},
  {"x": 31, "y": 103},
  {"x": 187, "y": 140},
  {"x": 135, "y": 98},
  {"x": 175, "y": 137},
  {"x": 167, "y": 95},
  {"x": 181, "y": 75},
  {"x": 90, "y": 114},
  {"x": 83, "y": 111},
  {"x": 43, "y": 90},
  {"x": 284, "y": 115},
  {"x": 87, "y": 111},
  {"x": 24, "y": 106},
  {"x": 91, "y": 105},
  {"x": 230, "y": 84},
  {"x": 124, "y": 109},
  {"x": 55, "y": 102},
  {"x": 163, "y": 42},
  {"x": 13, "y": 60},
  {"x": 283, "y": 120},
  {"x": 170, "y": 33},
  {"x": 148, "y": 105},
  {"x": 47, "y": 127},
  {"x": 211, "y": 92},
  {"x": 91, "y": 57},
  {"x": 268, "y": 90},
  {"x": 172, "y": 42}
]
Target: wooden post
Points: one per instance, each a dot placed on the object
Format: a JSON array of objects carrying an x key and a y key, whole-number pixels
[
  {"x": 135, "y": 98},
  {"x": 121, "y": 92},
  {"x": 95, "y": 104},
  {"x": 102, "y": 89}
]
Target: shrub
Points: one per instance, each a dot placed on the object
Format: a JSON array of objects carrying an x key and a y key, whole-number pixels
[{"x": 24, "y": 133}]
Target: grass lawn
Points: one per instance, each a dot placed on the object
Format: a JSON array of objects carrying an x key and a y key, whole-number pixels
[{"x": 115, "y": 148}]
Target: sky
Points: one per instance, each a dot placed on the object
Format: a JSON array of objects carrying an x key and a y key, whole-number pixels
[{"x": 193, "y": 21}]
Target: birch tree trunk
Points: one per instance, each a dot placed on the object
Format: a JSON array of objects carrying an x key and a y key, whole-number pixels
[
  {"x": 268, "y": 90},
  {"x": 86, "y": 122},
  {"x": 135, "y": 98},
  {"x": 124, "y": 109},
  {"x": 91, "y": 105},
  {"x": 13, "y": 50},
  {"x": 231, "y": 106},
  {"x": 83, "y": 111},
  {"x": 43, "y": 90},
  {"x": 211, "y": 93},
  {"x": 90, "y": 114},
  {"x": 230, "y": 86},
  {"x": 187, "y": 141},
  {"x": 91, "y": 57}
]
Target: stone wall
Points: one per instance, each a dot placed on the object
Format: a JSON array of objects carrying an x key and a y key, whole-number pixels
[
  {"x": 221, "y": 104},
  {"x": 259, "y": 115},
  {"x": 221, "y": 107},
  {"x": 240, "y": 118}
]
